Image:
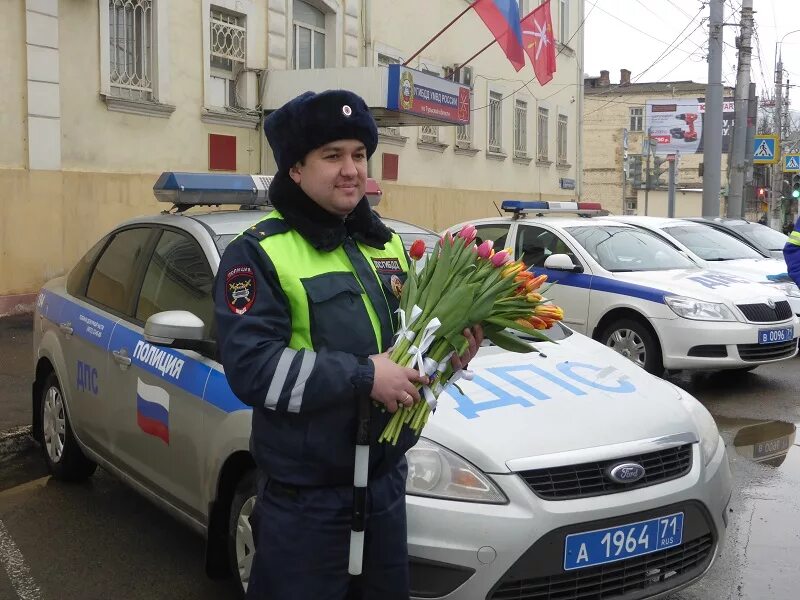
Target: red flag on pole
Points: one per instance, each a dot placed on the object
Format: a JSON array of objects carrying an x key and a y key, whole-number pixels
[
  {"x": 502, "y": 19},
  {"x": 539, "y": 43}
]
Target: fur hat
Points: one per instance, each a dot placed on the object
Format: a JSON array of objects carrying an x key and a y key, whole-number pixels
[{"x": 312, "y": 120}]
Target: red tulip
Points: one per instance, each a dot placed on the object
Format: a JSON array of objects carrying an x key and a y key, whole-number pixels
[{"x": 417, "y": 249}]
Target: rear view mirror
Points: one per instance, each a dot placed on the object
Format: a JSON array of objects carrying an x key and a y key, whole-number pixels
[
  {"x": 178, "y": 329},
  {"x": 561, "y": 262}
]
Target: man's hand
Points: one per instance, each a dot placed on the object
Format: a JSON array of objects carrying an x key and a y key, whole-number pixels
[
  {"x": 474, "y": 339},
  {"x": 393, "y": 385}
]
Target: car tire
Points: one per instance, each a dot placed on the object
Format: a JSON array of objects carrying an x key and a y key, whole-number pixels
[
  {"x": 240, "y": 533},
  {"x": 636, "y": 342},
  {"x": 63, "y": 455}
]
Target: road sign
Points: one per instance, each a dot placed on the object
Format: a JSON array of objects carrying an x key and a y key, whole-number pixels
[
  {"x": 764, "y": 149},
  {"x": 791, "y": 163}
]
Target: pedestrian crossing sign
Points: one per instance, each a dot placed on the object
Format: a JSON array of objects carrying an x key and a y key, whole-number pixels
[
  {"x": 764, "y": 149},
  {"x": 791, "y": 163}
]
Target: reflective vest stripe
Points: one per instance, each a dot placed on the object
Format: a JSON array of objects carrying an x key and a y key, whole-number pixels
[{"x": 794, "y": 238}]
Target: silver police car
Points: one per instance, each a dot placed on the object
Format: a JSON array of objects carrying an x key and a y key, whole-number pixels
[{"x": 565, "y": 473}]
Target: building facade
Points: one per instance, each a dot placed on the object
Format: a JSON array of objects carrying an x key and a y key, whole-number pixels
[
  {"x": 615, "y": 120},
  {"x": 98, "y": 97}
]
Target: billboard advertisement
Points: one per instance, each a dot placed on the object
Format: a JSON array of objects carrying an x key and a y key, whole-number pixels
[
  {"x": 419, "y": 93},
  {"x": 676, "y": 124}
]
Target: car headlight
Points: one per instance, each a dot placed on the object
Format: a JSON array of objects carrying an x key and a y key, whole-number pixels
[
  {"x": 706, "y": 426},
  {"x": 436, "y": 472},
  {"x": 788, "y": 288},
  {"x": 689, "y": 308}
]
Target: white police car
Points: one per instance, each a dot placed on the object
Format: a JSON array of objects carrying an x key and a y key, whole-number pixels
[
  {"x": 555, "y": 474},
  {"x": 714, "y": 249},
  {"x": 638, "y": 294}
]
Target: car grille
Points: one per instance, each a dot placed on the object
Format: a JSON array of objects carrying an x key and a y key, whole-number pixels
[
  {"x": 709, "y": 351},
  {"x": 762, "y": 313},
  {"x": 620, "y": 580},
  {"x": 590, "y": 479},
  {"x": 758, "y": 352}
]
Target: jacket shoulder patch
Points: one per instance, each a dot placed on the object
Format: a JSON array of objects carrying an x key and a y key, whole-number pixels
[{"x": 240, "y": 289}]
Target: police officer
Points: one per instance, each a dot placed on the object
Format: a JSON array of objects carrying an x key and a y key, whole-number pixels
[
  {"x": 305, "y": 303},
  {"x": 791, "y": 253}
]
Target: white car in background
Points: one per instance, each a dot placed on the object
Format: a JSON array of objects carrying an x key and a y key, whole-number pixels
[
  {"x": 561, "y": 474},
  {"x": 714, "y": 249},
  {"x": 637, "y": 293}
]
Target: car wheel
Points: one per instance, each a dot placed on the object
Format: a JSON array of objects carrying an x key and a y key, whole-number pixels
[
  {"x": 634, "y": 341},
  {"x": 241, "y": 548},
  {"x": 64, "y": 458}
]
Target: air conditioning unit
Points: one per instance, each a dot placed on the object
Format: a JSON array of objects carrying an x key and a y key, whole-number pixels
[{"x": 465, "y": 75}]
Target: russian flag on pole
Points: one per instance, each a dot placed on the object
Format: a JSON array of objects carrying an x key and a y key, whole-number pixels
[
  {"x": 502, "y": 19},
  {"x": 152, "y": 410}
]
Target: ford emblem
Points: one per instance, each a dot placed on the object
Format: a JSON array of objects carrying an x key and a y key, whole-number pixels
[{"x": 628, "y": 472}]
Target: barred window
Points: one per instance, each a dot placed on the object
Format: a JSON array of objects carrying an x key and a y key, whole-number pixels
[
  {"x": 228, "y": 56},
  {"x": 637, "y": 118},
  {"x": 561, "y": 141},
  {"x": 520, "y": 128},
  {"x": 309, "y": 36},
  {"x": 495, "y": 122},
  {"x": 130, "y": 25},
  {"x": 541, "y": 135}
]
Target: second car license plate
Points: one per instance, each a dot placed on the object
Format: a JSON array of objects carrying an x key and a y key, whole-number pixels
[
  {"x": 775, "y": 336},
  {"x": 618, "y": 543}
]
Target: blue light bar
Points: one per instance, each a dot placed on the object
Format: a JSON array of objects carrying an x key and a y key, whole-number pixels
[
  {"x": 520, "y": 205},
  {"x": 207, "y": 189}
]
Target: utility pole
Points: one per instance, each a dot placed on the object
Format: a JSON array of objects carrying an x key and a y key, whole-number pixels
[
  {"x": 671, "y": 186},
  {"x": 737, "y": 153},
  {"x": 752, "y": 119},
  {"x": 712, "y": 122},
  {"x": 775, "y": 216}
]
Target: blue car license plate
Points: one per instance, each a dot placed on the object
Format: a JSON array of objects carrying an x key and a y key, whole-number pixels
[
  {"x": 775, "y": 336},
  {"x": 618, "y": 543}
]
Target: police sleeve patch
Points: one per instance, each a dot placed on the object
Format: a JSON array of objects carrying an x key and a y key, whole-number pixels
[{"x": 240, "y": 289}]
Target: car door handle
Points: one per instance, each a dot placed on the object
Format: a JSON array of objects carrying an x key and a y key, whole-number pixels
[
  {"x": 66, "y": 328},
  {"x": 121, "y": 356}
]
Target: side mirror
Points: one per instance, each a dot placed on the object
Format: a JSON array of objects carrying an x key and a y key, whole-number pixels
[
  {"x": 562, "y": 262},
  {"x": 178, "y": 329}
]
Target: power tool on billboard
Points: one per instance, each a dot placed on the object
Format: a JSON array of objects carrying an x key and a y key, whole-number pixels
[{"x": 688, "y": 135}]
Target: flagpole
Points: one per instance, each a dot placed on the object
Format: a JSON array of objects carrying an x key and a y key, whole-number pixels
[
  {"x": 487, "y": 46},
  {"x": 434, "y": 38}
]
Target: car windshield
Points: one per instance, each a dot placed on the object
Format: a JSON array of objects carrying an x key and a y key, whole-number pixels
[
  {"x": 620, "y": 249},
  {"x": 761, "y": 234},
  {"x": 711, "y": 244}
]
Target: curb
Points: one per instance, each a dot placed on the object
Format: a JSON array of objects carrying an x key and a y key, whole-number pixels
[{"x": 15, "y": 439}]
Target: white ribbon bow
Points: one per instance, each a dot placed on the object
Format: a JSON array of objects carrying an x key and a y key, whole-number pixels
[
  {"x": 405, "y": 327},
  {"x": 428, "y": 335}
]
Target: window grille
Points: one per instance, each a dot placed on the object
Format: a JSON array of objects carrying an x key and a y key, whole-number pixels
[
  {"x": 520, "y": 128},
  {"x": 637, "y": 118},
  {"x": 228, "y": 38},
  {"x": 541, "y": 135},
  {"x": 464, "y": 132},
  {"x": 561, "y": 157},
  {"x": 429, "y": 133},
  {"x": 131, "y": 39},
  {"x": 495, "y": 122}
]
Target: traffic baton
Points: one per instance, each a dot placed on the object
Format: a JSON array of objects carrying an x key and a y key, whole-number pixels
[{"x": 360, "y": 477}]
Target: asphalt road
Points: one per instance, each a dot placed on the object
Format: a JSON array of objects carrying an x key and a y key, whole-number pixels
[{"x": 101, "y": 540}]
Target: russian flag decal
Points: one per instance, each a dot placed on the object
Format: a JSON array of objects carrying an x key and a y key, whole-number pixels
[{"x": 152, "y": 410}]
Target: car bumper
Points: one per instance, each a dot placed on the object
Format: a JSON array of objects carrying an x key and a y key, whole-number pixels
[
  {"x": 465, "y": 551},
  {"x": 687, "y": 344}
]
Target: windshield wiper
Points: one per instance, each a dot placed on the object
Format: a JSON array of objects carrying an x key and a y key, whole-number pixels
[{"x": 622, "y": 270}]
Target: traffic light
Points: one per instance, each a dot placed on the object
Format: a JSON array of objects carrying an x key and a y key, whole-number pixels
[
  {"x": 659, "y": 169},
  {"x": 796, "y": 186},
  {"x": 762, "y": 192}
]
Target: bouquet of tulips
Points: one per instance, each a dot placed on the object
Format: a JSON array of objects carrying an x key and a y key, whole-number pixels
[{"x": 462, "y": 284}]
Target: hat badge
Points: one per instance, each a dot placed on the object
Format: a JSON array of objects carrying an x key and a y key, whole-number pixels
[{"x": 346, "y": 110}]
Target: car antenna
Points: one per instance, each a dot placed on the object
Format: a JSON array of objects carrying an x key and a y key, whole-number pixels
[{"x": 499, "y": 212}]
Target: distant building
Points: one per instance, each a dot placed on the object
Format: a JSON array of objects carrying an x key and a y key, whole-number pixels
[{"x": 613, "y": 113}]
